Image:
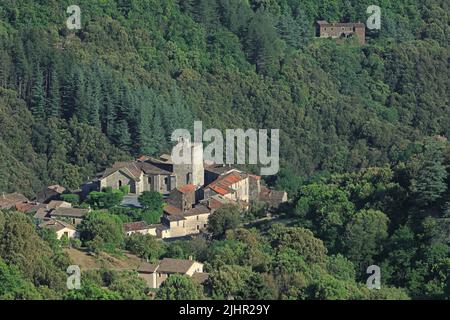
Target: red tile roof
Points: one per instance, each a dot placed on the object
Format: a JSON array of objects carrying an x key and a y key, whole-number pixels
[
  {"x": 8, "y": 201},
  {"x": 186, "y": 188},
  {"x": 223, "y": 184},
  {"x": 25, "y": 206},
  {"x": 143, "y": 158}
]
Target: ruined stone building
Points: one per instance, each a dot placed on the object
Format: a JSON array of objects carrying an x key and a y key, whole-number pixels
[{"x": 341, "y": 30}]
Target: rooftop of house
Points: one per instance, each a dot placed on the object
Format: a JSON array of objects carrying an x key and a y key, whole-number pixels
[
  {"x": 129, "y": 168},
  {"x": 324, "y": 23},
  {"x": 147, "y": 267},
  {"x": 53, "y": 204},
  {"x": 273, "y": 196},
  {"x": 135, "y": 226},
  {"x": 223, "y": 184},
  {"x": 26, "y": 207},
  {"x": 174, "y": 217},
  {"x": 7, "y": 201},
  {"x": 56, "y": 225},
  {"x": 217, "y": 201},
  {"x": 169, "y": 265},
  {"x": 133, "y": 169},
  {"x": 150, "y": 168},
  {"x": 197, "y": 210},
  {"x": 41, "y": 212},
  {"x": 218, "y": 168},
  {"x": 172, "y": 210},
  {"x": 69, "y": 212},
  {"x": 187, "y": 188},
  {"x": 57, "y": 188}
]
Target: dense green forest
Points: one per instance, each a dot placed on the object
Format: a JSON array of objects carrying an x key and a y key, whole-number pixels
[{"x": 363, "y": 150}]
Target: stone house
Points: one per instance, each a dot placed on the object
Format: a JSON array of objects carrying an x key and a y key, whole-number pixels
[
  {"x": 74, "y": 215},
  {"x": 183, "y": 197},
  {"x": 150, "y": 174},
  {"x": 341, "y": 30},
  {"x": 60, "y": 227},
  {"x": 233, "y": 185},
  {"x": 137, "y": 227},
  {"x": 139, "y": 176},
  {"x": 58, "y": 204},
  {"x": 273, "y": 198},
  {"x": 49, "y": 193},
  {"x": 156, "y": 274},
  {"x": 9, "y": 201}
]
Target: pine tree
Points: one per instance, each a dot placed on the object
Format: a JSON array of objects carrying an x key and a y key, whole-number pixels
[
  {"x": 295, "y": 30},
  {"x": 430, "y": 183},
  {"x": 263, "y": 46},
  {"x": 158, "y": 135},
  {"x": 93, "y": 97},
  {"x": 146, "y": 144},
  {"x": 122, "y": 136},
  {"x": 188, "y": 6},
  {"x": 37, "y": 103},
  {"x": 53, "y": 96},
  {"x": 81, "y": 106},
  {"x": 207, "y": 12},
  {"x": 5, "y": 68}
]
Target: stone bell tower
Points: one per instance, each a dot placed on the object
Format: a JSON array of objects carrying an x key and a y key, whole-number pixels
[{"x": 192, "y": 172}]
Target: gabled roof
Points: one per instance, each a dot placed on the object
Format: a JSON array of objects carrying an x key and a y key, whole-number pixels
[
  {"x": 56, "y": 225},
  {"x": 146, "y": 267},
  {"x": 172, "y": 210},
  {"x": 57, "y": 188},
  {"x": 223, "y": 183},
  {"x": 135, "y": 226},
  {"x": 69, "y": 212},
  {"x": 169, "y": 265},
  {"x": 133, "y": 169},
  {"x": 26, "y": 206},
  {"x": 273, "y": 197},
  {"x": 41, "y": 212},
  {"x": 218, "y": 168},
  {"x": 7, "y": 201},
  {"x": 53, "y": 204},
  {"x": 150, "y": 168},
  {"x": 129, "y": 168},
  {"x": 174, "y": 217},
  {"x": 198, "y": 209}
]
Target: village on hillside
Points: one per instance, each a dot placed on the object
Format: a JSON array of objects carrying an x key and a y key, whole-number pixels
[{"x": 191, "y": 193}]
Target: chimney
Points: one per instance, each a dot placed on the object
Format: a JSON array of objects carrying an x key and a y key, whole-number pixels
[{"x": 190, "y": 258}]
